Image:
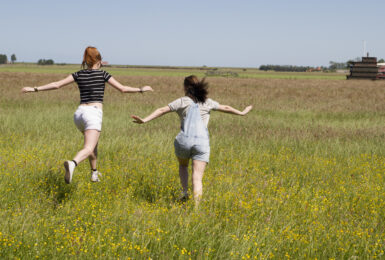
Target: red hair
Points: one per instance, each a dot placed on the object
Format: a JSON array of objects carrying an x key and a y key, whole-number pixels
[{"x": 91, "y": 57}]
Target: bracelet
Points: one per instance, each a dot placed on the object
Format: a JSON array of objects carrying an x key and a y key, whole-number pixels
[
  {"x": 141, "y": 90},
  {"x": 35, "y": 89}
]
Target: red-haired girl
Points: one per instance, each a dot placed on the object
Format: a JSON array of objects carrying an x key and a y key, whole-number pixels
[{"x": 88, "y": 117}]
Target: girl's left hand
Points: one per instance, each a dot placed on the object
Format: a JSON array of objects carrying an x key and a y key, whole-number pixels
[
  {"x": 137, "y": 119},
  {"x": 27, "y": 89},
  {"x": 146, "y": 88}
]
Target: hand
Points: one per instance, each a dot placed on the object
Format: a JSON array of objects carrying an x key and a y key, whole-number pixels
[
  {"x": 247, "y": 110},
  {"x": 146, "y": 88},
  {"x": 137, "y": 120},
  {"x": 27, "y": 89}
]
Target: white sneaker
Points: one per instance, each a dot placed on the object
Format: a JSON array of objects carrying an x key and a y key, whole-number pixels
[
  {"x": 95, "y": 176},
  {"x": 69, "y": 167}
]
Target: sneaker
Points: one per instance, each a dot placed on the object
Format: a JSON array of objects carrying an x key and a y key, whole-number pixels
[
  {"x": 69, "y": 167},
  {"x": 95, "y": 176}
]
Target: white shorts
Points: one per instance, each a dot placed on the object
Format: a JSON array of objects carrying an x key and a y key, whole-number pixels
[{"x": 88, "y": 117}]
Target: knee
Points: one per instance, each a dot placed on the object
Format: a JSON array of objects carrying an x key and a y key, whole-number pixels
[
  {"x": 89, "y": 151},
  {"x": 92, "y": 155}
]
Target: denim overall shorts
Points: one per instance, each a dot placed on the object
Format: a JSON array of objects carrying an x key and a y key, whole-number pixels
[{"x": 193, "y": 139}]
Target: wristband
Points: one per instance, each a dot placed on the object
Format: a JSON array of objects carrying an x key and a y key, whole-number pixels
[
  {"x": 35, "y": 89},
  {"x": 141, "y": 90}
]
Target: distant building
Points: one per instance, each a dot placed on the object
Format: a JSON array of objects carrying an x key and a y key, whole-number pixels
[{"x": 317, "y": 69}]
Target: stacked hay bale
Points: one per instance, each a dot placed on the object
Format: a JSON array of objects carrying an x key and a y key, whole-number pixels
[{"x": 365, "y": 69}]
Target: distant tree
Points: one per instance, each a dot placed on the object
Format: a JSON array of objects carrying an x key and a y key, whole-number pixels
[
  {"x": 45, "y": 62},
  {"x": 13, "y": 58},
  {"x": 381, "y": 61},
  {"x": 3, "y": 59},
  {"x": 332, "y": 65},
  {"x": 338, "y": 65}
]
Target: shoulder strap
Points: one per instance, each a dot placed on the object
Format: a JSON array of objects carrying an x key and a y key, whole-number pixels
[{"x": 193, "y": 124}]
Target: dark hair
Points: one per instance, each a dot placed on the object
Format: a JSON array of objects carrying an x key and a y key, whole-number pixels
[{"x": 195, "y": 89}]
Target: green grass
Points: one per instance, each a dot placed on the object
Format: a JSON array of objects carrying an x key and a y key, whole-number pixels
[
  {"x": 175, "y": 72},
  {"x": 302, "y": 176}
]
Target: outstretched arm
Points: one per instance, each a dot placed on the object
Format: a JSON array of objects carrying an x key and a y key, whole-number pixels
[
  {"x": 126, "y": 89},
  {"x": 50, "y": 86},
  {"x": 157, "y": 113},
  {"x": 231, "y": 110}
]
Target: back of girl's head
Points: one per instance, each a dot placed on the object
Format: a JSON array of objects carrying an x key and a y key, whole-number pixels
[
  {"x": 91, "y": 57},
  {"x": 195, "y": 89}
]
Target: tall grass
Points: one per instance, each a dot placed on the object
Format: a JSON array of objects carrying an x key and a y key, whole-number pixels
[{"x": 302, "y": 176}]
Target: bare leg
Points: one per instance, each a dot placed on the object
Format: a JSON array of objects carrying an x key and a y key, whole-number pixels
[
  {"x": 183, "y": 173},
  {"x": 93, "y": 157},
  {"x": 197, "y": 175},
  {"x": 91, "y": 138}
]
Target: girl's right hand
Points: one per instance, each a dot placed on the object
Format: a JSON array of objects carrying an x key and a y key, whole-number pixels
[
  {"x": 27, "y": 89},
  {"x": 146, "y": 88}
]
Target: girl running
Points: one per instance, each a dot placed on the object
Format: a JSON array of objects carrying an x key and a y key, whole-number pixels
[
  {"x": 88, "y": 117},
  {"x": 193, "y": 140}
]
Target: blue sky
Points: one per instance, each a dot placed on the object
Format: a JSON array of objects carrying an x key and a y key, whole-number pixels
[{"x": 241, "y": 33}]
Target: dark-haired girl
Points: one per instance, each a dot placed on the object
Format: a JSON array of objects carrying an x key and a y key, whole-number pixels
[
  {"x": 193, "y": 140},
  {"x": 88, "y": 117}
]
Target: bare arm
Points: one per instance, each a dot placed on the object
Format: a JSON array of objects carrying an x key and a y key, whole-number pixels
[
  {"x": 231, "y": 110},
  {"x": 50, "y": 86},
  {"x": 157, "y": 113},
  {"x": 126, "y": 89}
]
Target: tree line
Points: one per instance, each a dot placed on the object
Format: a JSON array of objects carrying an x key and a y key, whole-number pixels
[
  {"x": 4, "y": 58},
  {"x": 333, "y": 65},
  {"x": 285, "y": 68},
  {"x": 45, "y": 62}
]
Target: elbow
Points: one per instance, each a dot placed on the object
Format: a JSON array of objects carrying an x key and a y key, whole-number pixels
[
  {"x": 160, "y": 111},
  {"x": 56, "y": 85},
  {"x": 226, "y": 108}
]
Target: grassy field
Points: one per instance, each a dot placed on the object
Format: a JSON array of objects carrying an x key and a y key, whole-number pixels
[
  {"x": 300, "y": 177},
  {"x": 170, "y": 71}
]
